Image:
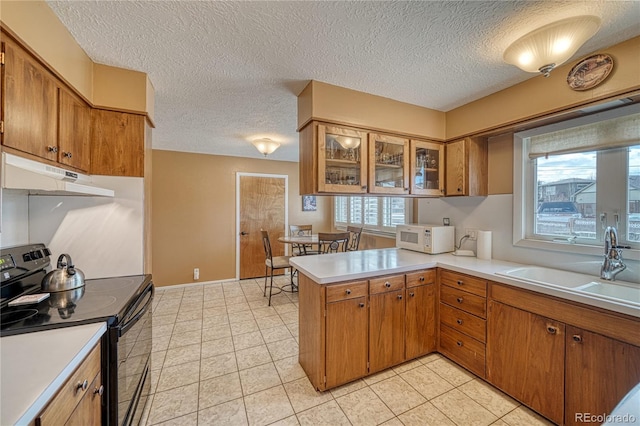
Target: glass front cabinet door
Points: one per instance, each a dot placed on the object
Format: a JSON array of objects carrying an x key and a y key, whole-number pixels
[
  {"x": 342, "y": 154},
  {"x": 388, "y": 164},
  {"x": 427, "y": 168}
]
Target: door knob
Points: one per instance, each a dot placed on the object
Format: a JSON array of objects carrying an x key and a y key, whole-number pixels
[{"x": 244, "y": 233}]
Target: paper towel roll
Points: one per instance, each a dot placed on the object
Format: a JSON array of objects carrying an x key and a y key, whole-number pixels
[{"x": 484, "y": 245}]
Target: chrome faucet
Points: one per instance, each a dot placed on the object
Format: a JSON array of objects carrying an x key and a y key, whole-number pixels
[{"x": 612, "y": 263}]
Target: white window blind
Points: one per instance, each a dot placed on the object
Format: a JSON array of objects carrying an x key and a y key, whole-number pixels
[
  {"x": 376, "y": 214},
  {"x": 614, "y": 133}
]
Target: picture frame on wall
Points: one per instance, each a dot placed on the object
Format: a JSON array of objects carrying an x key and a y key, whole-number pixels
[{"x": 309, "y": 203}]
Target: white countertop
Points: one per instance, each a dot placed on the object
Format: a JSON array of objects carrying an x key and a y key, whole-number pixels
[
  {"x": 33, "y": 366},
  {"x": 332, "y": 268}
]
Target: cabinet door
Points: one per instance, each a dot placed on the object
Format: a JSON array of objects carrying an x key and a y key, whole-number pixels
[
  {"x": 421, "y": 321},
  {"x": 346, "y": 341},
  {"x": 386, "y": 330},
  {"x": 342, "y": 154},
  {"x": 525, "y": 358},
  {"x": 75, "y": 131},
  {"x": 426, "y": 168},
  {"x": 30, "y": 104},
  {"x": 456, "y": 168},
  {"x": 388, "y": 164},
  {"x": 599, "y": 373},
  {"x": 117, "y": 143},
  {"x": 89, "y": 410}
]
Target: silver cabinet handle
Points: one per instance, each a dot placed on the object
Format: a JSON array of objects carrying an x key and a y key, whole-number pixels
[
  {"x": 361, "y": 305},
  {"x": 82, "y": 385},
  {"x": 459, "y": 321},
  {"x": 412, "y": 294},
  {"x": 387, "y": 284},
  {"x": 348, "y": 291},
  {"x": 421, "y": 278},
  {"x": 99, "y": 390},
  {"x": 459, "y": 343},
  {"x": 460, "y": 299},
  {"x": 399, "y": 297},
  {"x": 66, "y": 154},
  {"x": 52, "y": 148}
]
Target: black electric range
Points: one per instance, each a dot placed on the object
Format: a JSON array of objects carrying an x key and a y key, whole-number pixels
[{"x": 123, "y": 303}]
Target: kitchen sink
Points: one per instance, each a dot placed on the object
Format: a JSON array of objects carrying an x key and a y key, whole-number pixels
[
  {"x": 616, "y": 291},
  {"x": 548, "y": 276},
  {"x": 620, "y": 291}
]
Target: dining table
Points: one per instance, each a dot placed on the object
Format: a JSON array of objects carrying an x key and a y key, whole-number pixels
[{"x": 303, "y": 242}]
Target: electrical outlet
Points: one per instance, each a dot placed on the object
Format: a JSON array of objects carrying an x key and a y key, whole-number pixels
[
  {"x": 472, "y": 233},
  {"x": 196, "y": 273}
]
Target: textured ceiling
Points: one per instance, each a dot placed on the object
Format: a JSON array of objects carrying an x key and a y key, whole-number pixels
[{"x": 229, "y": 72}]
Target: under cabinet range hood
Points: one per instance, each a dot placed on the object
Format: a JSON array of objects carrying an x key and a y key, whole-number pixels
[{"x": 43, "y": 179}]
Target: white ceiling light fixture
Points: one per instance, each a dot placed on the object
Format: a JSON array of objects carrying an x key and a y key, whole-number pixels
[
  {"x": 265, "y": 145},
  {"x": 551, "y": 45}
]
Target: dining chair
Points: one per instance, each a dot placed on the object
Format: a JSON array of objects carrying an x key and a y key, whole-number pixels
[
  {"x": 333, "y": 242},
  {"x": 273, "y": 262},
  {"x": 300, "y": 230},
  {"x": 354, "y": 238}
]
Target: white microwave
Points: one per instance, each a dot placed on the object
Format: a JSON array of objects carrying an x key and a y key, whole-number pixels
[{"x": 430, "y": 239}]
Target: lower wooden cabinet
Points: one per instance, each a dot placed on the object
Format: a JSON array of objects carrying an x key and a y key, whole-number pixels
[
  {"x": 346, "y": 340},
  {"x": 420, "y": 320},
  {"x": 525, "y": 358},
  {"x": 386, "y": 329},
  {"x": 79, "y": 400},
  {"x": 599, "y": 371}
]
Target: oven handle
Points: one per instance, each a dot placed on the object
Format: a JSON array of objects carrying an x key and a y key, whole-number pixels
[{"x": 122, "y": 329}]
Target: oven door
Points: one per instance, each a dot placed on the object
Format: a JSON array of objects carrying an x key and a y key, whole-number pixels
[{"x": 130, "y": 381}]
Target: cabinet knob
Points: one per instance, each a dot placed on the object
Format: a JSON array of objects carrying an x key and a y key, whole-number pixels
[
  {"x": 66, "y": 154},
  {"x": 52, "y": 148},
  {"x": 99, "y": 390},
  {"x": 460, "y": 282},
  {"x": 459, "y": 343},
  {"x": 577, "y": 338},
  {"x": 412, "y": 294},
  {"x": 82, "y": 385},
  {"x": 459, "y": 321},
  {"x": 460, "y": 299},
  {"x": 361, "y": 305},
  {"x": 421, "y": 278},
  {"x": 459, "y": 189},
  {"x": 551, "y": 329},
  {"x": 364, "y": 187},
  {"x": 387, "y": 284},
  {"x": 442, "y": 190},
  {"x": 406, "y": 190},
  {"x": 399, "y": 297},
  {"x": 348, "y": 291}
]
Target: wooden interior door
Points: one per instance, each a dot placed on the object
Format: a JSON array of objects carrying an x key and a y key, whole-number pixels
[{"x": 262, "y": 206}]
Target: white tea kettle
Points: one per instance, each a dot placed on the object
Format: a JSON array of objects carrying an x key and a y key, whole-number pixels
[{"x": 66, "y": 277}]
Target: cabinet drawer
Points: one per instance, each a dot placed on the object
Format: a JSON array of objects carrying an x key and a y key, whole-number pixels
[
  {"x": 468, "y": 302},
  {"x": 415, "y": 279},
  {"x": 381, "y": 285},
  {"x": 463, "y": 322},
  {"x": 70, "y": 394},
  {"x": 467, "y": 283},
  {"x": 463, "y": 349},
  {"x": 346, "y": 291}
]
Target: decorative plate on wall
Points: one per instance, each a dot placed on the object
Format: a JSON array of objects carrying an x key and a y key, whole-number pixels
[{"x": 590, "y": 72}]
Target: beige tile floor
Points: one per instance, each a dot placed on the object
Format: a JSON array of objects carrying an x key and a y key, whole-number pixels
[{"x": 221, "y": 356}]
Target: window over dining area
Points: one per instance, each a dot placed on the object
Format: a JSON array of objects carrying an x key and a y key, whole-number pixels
[{"x": 374, "y": 214}]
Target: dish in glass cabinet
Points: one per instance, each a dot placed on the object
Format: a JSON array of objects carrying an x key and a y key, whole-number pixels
[{"x": 590, "y": 72}]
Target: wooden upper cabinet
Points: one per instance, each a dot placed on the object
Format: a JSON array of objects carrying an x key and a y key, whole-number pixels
[
  {"x": 30, "y": 104},
  {"x": 388, "y": 164},
  {"x": 467, "y": 167},
  {"x": 74, "y": 136},
  {"x": 341, "y": 154},
  {"x": 426, "y": 171},
  {"x": 117, "y": 143}
]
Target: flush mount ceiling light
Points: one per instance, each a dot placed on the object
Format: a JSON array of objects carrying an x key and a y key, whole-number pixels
[
  {"x": 552, "y": 45},
  {"x": 265, "y": 145}
]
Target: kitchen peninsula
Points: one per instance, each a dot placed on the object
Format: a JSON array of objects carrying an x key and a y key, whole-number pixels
[{"x": 362, "y": 312}]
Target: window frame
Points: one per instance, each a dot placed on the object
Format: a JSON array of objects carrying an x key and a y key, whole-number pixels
[
  {"x": 524, "y": 191},
  {"x": 369, "y": 229}
]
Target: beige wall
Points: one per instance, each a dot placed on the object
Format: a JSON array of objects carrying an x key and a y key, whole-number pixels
[
  {"x": 322, "y": 101},
  {"x": 539, "y": 95},
  {"x": 194, "y": 213},
  {"x": 35, "y": 24}
]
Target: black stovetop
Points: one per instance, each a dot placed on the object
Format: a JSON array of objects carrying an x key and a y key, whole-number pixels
[{"x": 103, "y": 299}]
